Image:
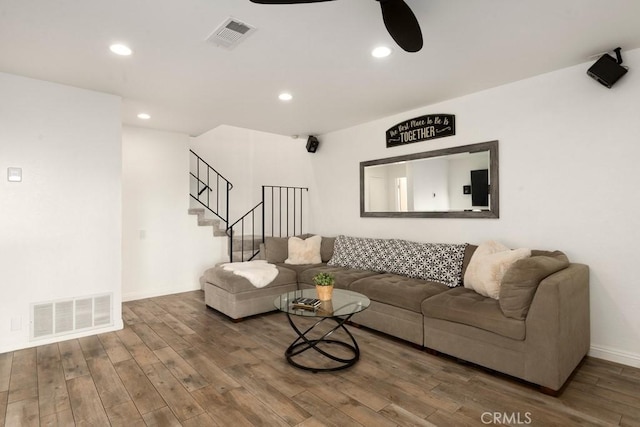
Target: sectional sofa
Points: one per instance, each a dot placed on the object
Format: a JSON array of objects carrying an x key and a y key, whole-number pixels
[{"x": 537, "y": 330}]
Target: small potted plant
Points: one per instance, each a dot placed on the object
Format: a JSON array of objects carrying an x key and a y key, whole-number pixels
[{"x": 324, "y": 285}]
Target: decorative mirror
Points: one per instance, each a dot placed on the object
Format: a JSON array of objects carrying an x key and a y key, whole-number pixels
[{"x": 458, "y": 182}]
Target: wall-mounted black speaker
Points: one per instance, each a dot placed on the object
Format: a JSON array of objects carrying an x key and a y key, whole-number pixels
[
  {"x": 607, "y": 70},
  {"x": 312, "y": 144}
]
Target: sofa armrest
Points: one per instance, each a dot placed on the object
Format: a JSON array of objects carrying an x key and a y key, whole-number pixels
[{"x": 558, "y": 327}]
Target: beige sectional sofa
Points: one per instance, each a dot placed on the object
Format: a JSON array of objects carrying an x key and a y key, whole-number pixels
[{"x": 543, "y": 336}]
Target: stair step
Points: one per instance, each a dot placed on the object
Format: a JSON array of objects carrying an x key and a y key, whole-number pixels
[
  {"x": 248, "y": 241},
  {"x": 238, "y": 256},
  {"x": 208, "y": 222}
]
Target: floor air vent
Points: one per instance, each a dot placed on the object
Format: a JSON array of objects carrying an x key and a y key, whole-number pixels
[
  {"x": 50, "y": 319},
  {"x": 230, "y": 33}
]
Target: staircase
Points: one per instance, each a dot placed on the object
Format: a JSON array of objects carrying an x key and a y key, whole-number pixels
[
  {"x": 251, "y": 243},
  {"x": 218, "y": 230},
  {"x": 279, "y": 213}
]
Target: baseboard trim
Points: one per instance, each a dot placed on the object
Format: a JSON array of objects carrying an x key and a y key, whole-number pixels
[
  {"x": 133, "y": 296},
  {"x": 614, "y": 355},
  {"x": 118, "y": 325}
]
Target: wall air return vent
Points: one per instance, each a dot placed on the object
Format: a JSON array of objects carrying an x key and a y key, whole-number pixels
[
  {"x": 230, "y": 33},
  {"x": 55, "y": 318}
]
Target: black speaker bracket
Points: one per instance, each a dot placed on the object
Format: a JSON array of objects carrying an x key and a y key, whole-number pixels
[{"x": 618, "y": 54}]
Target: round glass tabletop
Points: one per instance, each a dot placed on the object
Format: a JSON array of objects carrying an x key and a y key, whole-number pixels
[{"x": 342, "y": 303}]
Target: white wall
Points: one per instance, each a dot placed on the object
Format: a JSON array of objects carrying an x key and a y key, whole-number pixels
[
  {"x": 568, "y": 180},
  {"x": 164, "y": 250},
  {"x": 60, "y": 227},
  {"x": 251, "y": 159}
]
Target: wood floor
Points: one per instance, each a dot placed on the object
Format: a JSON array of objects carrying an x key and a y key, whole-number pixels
[{"x": 179, "y": 363}]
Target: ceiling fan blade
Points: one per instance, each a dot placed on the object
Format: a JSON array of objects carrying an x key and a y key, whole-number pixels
[
  {"x": 286, "y": 1},
  {"x": 402, "y": 24}
]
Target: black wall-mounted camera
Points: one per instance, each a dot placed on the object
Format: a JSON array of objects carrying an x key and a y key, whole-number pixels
[
  {"x": 607, "y": 70},
  {"x": 312, "y": 144}
]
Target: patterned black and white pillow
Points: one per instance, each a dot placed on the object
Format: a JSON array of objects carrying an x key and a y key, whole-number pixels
[
  {"x": 438, "y": 262},
  {"x": 361, "y": 253}
]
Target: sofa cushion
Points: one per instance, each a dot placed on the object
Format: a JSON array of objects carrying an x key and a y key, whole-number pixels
[
  {"x": 398, "y": 291},
  {"x": 343, "y": 276},
  {"x": 468, "y": 254},
  {"x": 521, "y": 281},
  {"x": 303, "y": 251},
  {"x": 234, "y": 284},
  {"x": 462, "y": 305},
  {"x": 300, "y": 268},
  {"x": 276, "y": 249},
  {"x": 487, "y": 267},
  {"x": 326, "y": 248}
]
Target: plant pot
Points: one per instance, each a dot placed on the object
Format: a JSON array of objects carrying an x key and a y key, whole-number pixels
[{"x": 324, "y": 292}]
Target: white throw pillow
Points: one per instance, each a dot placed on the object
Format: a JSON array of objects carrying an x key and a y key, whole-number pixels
[
  {"x": 487, "y": 267},
  {"x": 304, "y": 251}
]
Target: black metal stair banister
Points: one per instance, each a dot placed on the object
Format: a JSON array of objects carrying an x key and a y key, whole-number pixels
[
  {"x": 222, "y": 186},
  {"x": 281, "y": 207},
  {"x": 289, "y": 213}
]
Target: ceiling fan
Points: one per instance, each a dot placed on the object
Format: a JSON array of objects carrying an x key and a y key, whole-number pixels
[{"x": 398, "y": 18}]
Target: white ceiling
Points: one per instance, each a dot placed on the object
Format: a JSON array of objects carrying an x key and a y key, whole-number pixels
[{"x": 319, "y": 52}]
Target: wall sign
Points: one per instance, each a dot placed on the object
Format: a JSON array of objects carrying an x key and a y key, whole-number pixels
[{"x": 421, "y": 128}]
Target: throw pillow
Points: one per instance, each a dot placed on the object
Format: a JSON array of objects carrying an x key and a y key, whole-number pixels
[
  {"x": 304, "y": 251},
  {"x": 277, "y": 248},
  {"x": 438, "y": 262},
  {"x": 362, "y": 253},
  {"x": 521, "y": 281},
  {"x": 488, "y": 265}
]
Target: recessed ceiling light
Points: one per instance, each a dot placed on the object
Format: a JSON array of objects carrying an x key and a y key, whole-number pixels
[
  {"x": 381, "y": 52},
  {"x": 285, "y": 96},
  {"x": 120, "y": 49},
  {"x": 144, "y": 116}
]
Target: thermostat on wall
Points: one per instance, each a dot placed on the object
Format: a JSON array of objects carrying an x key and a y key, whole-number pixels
[{"x": 14, "y": 174}]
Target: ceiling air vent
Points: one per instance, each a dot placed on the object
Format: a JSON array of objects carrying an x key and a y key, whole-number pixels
[{"x": 230, "y": 33}]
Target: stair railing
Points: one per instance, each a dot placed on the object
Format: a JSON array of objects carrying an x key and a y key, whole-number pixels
[
  {"x": 283, "y": 206},
  {"x": 246, "y": 222},
  {"x": 205, "y": 180}
]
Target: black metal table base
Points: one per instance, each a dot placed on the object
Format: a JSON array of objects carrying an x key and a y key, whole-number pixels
[{"x": 302, "y": 344}]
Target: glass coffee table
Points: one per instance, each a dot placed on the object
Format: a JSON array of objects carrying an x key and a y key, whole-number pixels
[{"x": 343, "y": 305}]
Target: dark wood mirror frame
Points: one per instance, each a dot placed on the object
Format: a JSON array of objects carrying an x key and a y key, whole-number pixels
[{"x": 494, "y": 187}]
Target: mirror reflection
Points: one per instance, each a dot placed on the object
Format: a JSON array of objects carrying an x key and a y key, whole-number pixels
[{"x": 455, "y": 182}]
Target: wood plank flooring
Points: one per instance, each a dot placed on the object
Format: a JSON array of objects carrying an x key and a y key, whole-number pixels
[{"x": 177, "y": 362}]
